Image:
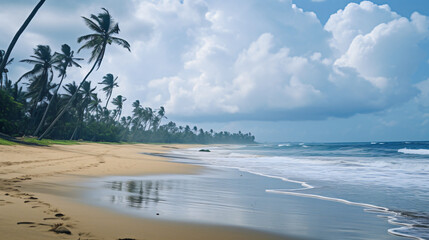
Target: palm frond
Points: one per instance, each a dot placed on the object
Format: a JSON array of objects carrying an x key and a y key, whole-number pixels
[
  {"x": 90, "y": 44},
  {"x": 75, "y": 63},
  {"x": 31, "y": 61},
  {"x": 95, "y": 54},
  {"x": 66, "y": 50},
  {"x": 35, "y": 71},
  {"x": 92, "y": 25},
  {"x": 10, "y": 61},
  {"x": 105, "y": 20},
  {"x": 96, "y": 19},
  {"x": 121, "y": 42},
  {"x": 91, "y": 37},
  {"x": 115, "y": 29}
]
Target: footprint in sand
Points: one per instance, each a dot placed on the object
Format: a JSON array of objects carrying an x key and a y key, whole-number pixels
[
  {"x": 4, "y": 202},
  {"x": 59, "y": 228},
  {"x": 19, "y": 223}
]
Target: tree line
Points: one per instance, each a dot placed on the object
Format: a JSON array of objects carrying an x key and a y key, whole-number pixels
[{"x": 78, "y": 112}]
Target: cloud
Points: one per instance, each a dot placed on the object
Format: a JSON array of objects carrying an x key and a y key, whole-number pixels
[
  {"x": 423, "y": 98},
  {"x": 354, "y": 20},
  {"x": 253, "y": 60},
  {"x": 287, "y": 66},
  {"x": 390, "y": 53}
]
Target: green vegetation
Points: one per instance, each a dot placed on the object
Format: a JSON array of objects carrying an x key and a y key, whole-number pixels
[
  {"x": 67, "y": 111},
  {"x": 6, "y": 142},
  {"x": 47, "y": 142}
]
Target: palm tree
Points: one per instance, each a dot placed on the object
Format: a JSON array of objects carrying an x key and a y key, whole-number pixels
[
  {"x": 157, "y": 118},
  {"x": 42, "y": 61},
  {"x": 137, "y": 115},
  {"x": 95, "y": 106},
  {"x": 72, "y": 90},
  {"x": 5, "y": 70},
  {"x": 18, "y": 34},
  {"x": 65, "y": 59},
  {"x": 119, "y": 102},
  {"x": 110, "y": 81},
  {"x": 104, "y": 28},
  {"x": 77, "y": 106},
  {"x": 40, "y": 76},
  {"x": 87, "y": 95}
]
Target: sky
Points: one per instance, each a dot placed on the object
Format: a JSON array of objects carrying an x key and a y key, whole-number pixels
[{"x": 285, "y": 70}]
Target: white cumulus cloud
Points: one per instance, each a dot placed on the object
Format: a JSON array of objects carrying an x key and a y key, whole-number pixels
[{"x": 278, "y": 61}]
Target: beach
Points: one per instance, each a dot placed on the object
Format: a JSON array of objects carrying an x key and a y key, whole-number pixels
[{"x": 39, "y": 194}]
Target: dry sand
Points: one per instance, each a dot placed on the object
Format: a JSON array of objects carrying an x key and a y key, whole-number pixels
[{"x": 37, "y": 194}]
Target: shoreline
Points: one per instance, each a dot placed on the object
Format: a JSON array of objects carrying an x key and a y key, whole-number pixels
[{"x": 36, "y": 194}]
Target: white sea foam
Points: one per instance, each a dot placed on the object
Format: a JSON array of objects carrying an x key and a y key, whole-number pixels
[
  {"x": 414, "y": 151},
  {"x": 383, "y": 171}
]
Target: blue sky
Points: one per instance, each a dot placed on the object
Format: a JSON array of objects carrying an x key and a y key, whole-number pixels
[{"x": 302, "y": 70}]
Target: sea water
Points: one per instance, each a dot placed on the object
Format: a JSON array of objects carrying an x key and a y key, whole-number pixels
[
  {"x": 390, "y": 178},
  {"x": 308, "y": 190}
]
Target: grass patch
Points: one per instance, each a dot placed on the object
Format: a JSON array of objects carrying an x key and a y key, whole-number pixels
[
  {"x": 47, "y": 142},
  {"x": 6, "y": 142},
  {"x": 116, "y": 143}
]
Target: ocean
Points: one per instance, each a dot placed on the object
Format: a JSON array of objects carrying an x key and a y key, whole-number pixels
[{"x": 377, "y": 190}]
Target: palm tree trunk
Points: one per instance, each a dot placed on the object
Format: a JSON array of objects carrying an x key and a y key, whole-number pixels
[
  {"x": 74, "y": 132},
  {"x": 5, "y": 80},
  {"x": 119, "y": 117},
  {"x": 18, "y": 34},
  {"x": 71, "y": 99},
  {"x": 47, "y": 108},
  {"x": 33, "y": 113},
  {"x": 108, "y": 99}
]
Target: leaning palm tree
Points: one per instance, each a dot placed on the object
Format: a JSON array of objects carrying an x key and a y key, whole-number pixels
[
  {"x": 65, "y": 59},
  {"x": 86, "y": 94},
  {"x": 119, "y": 103},
  {"x": 104, "y": 28},
  {"x": 20, "y": 31},
  {"x": 110, "y": 81},
  {"x": 5, "y": 70},
  {"x": 147, "y": 118},
  {"x": 40, "y": 76}
]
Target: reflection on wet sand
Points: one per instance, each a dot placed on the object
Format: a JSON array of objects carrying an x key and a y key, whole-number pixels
[
  {"x": 144, "y": 193},
  {"x": 234, "y": 198}
]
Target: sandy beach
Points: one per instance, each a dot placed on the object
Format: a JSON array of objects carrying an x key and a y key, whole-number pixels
[{"x": 38, "y": 197}]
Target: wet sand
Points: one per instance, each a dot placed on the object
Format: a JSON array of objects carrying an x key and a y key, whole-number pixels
[{"x": 38, "y": 197}]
